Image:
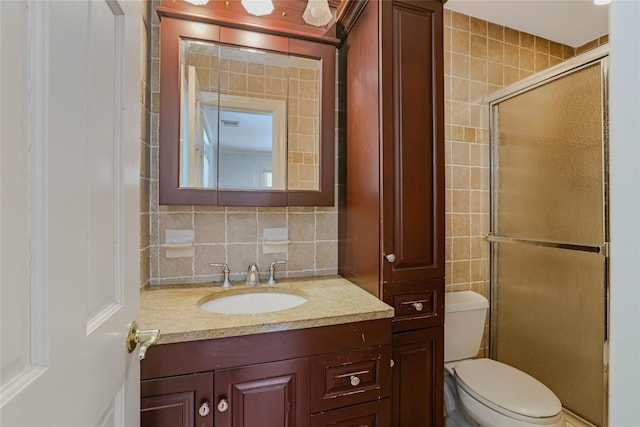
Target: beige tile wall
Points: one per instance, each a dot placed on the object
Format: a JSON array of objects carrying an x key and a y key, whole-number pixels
[
  {"x": 480, "y": 57},
  {"x": 148, "y": 20},
  {"x": 304, "y": 129},
  {"x": 225, "y": 234},
  {"x": 593, "y": 44}
]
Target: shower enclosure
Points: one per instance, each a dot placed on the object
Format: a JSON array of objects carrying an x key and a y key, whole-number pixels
[{"x": 549, "y": 230}]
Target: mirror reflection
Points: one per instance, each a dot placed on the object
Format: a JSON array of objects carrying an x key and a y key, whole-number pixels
[{"x": 249, "y": 119}]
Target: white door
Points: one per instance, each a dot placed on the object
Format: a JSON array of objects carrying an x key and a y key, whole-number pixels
[{"x": 69, "y": 211}]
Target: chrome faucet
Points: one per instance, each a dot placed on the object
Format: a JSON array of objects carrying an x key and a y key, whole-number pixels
[
  {"x": 226, "y": 283},
  {"x": 272, "y": 269},
  {"x": 252, "y": 275}
]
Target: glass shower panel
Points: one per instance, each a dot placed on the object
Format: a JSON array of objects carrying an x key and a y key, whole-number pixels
[
  {"x": 549, "y": 161},
  {"x": 548, "y": 209},
  {"x": 549, "y": 321}
]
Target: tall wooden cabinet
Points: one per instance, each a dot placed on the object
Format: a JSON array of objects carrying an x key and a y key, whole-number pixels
[{"x": 392, "y": 199}]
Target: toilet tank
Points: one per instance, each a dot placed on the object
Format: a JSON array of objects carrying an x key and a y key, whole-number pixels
[{"x": 465, "y": 314}]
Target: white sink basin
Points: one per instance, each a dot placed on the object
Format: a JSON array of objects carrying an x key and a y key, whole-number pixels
[{"x": 253, "y": 303}]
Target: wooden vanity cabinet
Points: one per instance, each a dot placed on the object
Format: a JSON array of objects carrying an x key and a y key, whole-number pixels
[
  {"x": 327, "y": 376},
  {"x": 391, "y": 207}
]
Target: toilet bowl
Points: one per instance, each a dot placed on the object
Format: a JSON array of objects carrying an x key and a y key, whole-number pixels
[
  {"x": 485, "y": 392},
  {"x": 494, "y": 394}
]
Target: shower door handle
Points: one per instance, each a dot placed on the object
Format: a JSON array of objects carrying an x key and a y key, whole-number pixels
[{"x": 598, "y": 249}]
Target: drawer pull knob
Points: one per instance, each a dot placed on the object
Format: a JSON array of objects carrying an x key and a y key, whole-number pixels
[
  {"x": 223, "y": 405},
  {"x": 390, "y": 257},
  {"x": 418, "y": 306},
  {"x": 392, "y": 363},
  {"x": 355, "y": 381},
  {"x": 204, "y": 409}
]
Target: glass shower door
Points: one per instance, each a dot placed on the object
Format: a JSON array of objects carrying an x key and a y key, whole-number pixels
[{"x": 549, "y": 270}]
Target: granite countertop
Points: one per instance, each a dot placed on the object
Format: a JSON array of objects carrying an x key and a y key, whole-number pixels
[{"x": 332, "y": 300}]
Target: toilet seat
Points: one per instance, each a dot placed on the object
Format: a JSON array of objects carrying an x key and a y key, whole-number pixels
[{"x": 507, "y": 390}]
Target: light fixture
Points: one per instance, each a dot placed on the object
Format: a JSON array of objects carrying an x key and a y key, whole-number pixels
[
  {"x": 197, "y": 2},
  {"x": 317, "y": 13},
  {"x": 601, "y": 2},
  {"x": 258, "y": 7}
]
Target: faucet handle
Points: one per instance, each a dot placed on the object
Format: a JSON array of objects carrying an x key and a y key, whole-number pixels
[
  {"x": 272, "y": 269},
  {"x": 227, "y": 283},
  {"x": 253, "y": 277}
]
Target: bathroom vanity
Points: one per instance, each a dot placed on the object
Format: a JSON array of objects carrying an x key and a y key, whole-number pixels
[
  {"x": 310, "y": 371},
  {"x": 324, "y": 362}
]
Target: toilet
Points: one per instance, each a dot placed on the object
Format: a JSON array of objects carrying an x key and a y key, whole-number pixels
[{"x": 484, "y": 392}]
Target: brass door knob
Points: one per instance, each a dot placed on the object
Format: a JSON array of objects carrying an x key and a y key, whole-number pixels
[{"x": 145, "y": 337}]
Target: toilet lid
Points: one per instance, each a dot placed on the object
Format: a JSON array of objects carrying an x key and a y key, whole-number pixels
[{"x": 507, "y": 388}]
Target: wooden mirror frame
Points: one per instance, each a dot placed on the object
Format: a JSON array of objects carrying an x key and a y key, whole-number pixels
[{"x": 170, "y": 192}]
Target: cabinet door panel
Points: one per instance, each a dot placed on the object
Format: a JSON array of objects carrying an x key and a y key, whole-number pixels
[
  {"x": 174, "y": 401},
  {"x": 169, "y": 410},
  {"x": 267, "y": 395},
  {"x": 372, "y": 414},
  {"x": 418, "y": 378},
  {"x": 413, "y": 162}
]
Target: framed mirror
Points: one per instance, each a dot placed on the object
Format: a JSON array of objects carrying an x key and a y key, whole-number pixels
[{"x": 246, "y": 119}]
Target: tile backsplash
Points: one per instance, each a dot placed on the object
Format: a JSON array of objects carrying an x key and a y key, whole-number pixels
[{"x": 234, "y": 236}]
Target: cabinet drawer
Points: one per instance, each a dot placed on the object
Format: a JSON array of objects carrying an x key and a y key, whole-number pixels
[
  {"x": 372, "y": 414},
  {"x": 416, "y": 305},
  {"x": 349, "y": 378},
  {"x": 412, "y": 304}
]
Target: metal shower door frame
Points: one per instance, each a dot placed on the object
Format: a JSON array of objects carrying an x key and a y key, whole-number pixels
[{"x": 587, "y": 59}]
